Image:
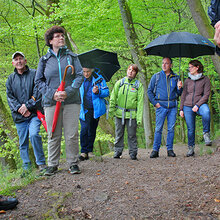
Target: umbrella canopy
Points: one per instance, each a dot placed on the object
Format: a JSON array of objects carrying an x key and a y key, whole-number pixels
[
  {"x": 180, "y": 44},
  {"x": 106, "y": 62},
  {"x": 58, "y": 104}
]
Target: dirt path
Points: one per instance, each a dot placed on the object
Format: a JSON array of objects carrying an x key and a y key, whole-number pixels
[{"x": 161, "y": 188}]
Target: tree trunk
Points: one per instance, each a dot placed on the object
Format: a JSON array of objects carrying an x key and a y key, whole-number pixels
[
  {"x": 136, "y": 54},
  {"x": 203, "y": 24}
]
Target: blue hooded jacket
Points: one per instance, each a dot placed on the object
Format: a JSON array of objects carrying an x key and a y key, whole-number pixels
[
  {"x": 97, "y": 99},
  {"x": 167, "y": 91}
]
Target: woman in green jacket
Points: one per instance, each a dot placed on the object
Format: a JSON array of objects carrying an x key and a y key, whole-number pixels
[{"x": 126, "y": 104}]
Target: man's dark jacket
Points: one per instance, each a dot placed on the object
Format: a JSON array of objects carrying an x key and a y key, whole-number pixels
[{"x": 20, "y": 90}]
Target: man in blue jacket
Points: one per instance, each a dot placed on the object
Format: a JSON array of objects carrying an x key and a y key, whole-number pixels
[
  {"x": 22, "y": 96},
  {"x": 163, "y": 91},
  {"x": 92, "y": 92}
]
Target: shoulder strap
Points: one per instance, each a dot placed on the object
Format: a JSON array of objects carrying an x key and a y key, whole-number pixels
[
  {"x": 122, "y": 82},
  {"x": 137, "y": 84},
  {"x": 156, "y": 82}
]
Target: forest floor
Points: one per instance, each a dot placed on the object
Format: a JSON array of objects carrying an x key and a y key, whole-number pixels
[{"x": 161, "y": 188}]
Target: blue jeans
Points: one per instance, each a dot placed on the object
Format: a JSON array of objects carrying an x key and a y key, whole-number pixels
[
  {"x": 30, "y": 129},
  {"x": 161, "y": 114},
  {"x": 190, "y": 118},
  {"x": 88, "y": 132}
]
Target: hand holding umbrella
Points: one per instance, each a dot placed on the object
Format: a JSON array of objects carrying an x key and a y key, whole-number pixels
[{"x": 60, "y": 96}]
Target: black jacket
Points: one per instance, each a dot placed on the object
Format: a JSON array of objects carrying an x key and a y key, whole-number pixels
[
  {"x": 214, "y": 11},
  {"x": 20, "y": 90}
]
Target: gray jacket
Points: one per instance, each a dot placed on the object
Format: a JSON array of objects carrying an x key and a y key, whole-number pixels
[{"x": 50, "y": 72}]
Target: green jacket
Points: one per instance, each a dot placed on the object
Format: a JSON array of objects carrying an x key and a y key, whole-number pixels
[{"x": 126, "y": 96}]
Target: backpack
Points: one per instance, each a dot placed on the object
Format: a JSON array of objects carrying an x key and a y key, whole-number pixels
[{"x": 136, "y": 84}]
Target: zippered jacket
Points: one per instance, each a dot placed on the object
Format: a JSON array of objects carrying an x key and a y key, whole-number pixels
[
  {"x": 195, "y": 92},
  {"x": 127, "y": 98},
  {"x": 214, "y": 11},
  {"x": 97, "y": 99},
  {"x": 20, "y": 90},
  {"x": 167, "y": 91},
  {"x": 50, "y": 73}
]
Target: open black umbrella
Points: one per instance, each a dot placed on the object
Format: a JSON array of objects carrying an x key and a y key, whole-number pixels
[
  {"x": 180, "y": 44},
  {"x": 106, "y": 62}
]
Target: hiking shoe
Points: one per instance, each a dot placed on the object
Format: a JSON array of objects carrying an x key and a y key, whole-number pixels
[
  {"x": 117, "y": 155},
  {"x": 206, "y": 136},
  {"x": 154, "y": 154},
  {"x": 42, "y": 167},
  {"x": 170, "y": 153},
  {"x": 133, "y": 158},
  {"x": 190, "y": 152},
  {"x": 74, "y": 169},
  {"x": 83, "y": 156},
  {"x": 50, "y": 171},
  {"x": 7, "y": 203},
  {"x": 91, "y": 154}
]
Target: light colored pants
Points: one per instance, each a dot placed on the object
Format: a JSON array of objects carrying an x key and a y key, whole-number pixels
[
  {"x": 119, "y": 136},
  {"x": 68, "y": 120}
]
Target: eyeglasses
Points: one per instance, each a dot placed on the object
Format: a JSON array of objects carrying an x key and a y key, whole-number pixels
[
  {"x": 59, "y": 36},
  {"x": 190, "y": 67}
]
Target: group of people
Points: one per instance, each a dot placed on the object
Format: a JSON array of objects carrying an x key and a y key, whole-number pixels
[
  {"x": 27, "y": 90},
  {"x": 83, "y": 98}
]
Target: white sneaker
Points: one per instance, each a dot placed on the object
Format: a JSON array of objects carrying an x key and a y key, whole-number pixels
[{"x": 207, "y": 140}]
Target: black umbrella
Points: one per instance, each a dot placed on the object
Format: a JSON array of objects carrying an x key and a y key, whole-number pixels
[
  {"x": 106, "y": 62},
  {"x": 180, "y": 44}
]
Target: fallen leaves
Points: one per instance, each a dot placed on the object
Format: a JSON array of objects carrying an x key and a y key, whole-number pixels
[{"x": 217, "y": 200}]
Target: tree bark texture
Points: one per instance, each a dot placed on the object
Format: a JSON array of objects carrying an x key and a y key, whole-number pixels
[
  {"x": 203, "y": 24},
  {"x": 132, "y": 40}
]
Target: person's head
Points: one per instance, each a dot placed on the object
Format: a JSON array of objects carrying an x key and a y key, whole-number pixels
[
  {"x": 19, "y": 61},
  {"x": 195, "y": 67},
  {"x": 132, "y": 71},
  {"x": 87, "y": 72},
  {"x": 167, "y": 64},
  {"x": 54, "y": 37}
]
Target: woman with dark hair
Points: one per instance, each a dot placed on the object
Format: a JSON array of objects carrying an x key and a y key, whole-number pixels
[
  {"x": 194, "y": 101},
  {"x": 48, "y": 78},
  {"x": 126, "y": 104}
]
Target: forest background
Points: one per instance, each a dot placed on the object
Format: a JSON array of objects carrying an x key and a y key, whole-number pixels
[{"x": 123, "y": 27}]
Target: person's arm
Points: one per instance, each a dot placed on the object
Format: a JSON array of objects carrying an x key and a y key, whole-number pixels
[
  {"x": 183, "y": 96},
  {"x": 13, "y": 102},
  {"x": 217, "y": 37},
  {"x": 113, "y": 99},
  {"x": 70, "y": 90},
  {"x": 150, "y": 93},
  {"x": 140, "y": 104},
  {"x": 40, "y": 81},
  {"x": 102, "y": 89},
  {"x": 206, "y": 92}
]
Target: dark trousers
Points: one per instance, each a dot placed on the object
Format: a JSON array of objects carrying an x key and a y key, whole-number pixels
[{"x": 88, "y": 132}]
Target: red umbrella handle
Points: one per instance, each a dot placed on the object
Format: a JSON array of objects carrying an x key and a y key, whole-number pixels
[{"x": 64, "y": 76}]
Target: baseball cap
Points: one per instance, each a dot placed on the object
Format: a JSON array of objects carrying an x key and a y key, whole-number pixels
[{"x": 17, "y": 52}]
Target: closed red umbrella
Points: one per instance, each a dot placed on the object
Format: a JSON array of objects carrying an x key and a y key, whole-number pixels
[
  {"x": 58, "y": 104},
  {"x": 42, "y": 119}
]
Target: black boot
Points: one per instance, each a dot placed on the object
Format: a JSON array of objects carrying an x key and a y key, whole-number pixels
[
  {"x": 154, "y": 154},
  {"x": 170, "y": 153}
]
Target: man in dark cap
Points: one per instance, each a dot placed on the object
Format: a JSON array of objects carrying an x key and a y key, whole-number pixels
[{"x": 22, "y": 96}]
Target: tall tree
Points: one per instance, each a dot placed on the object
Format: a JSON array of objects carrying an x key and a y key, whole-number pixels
[{"x": 132, "y": 40}]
